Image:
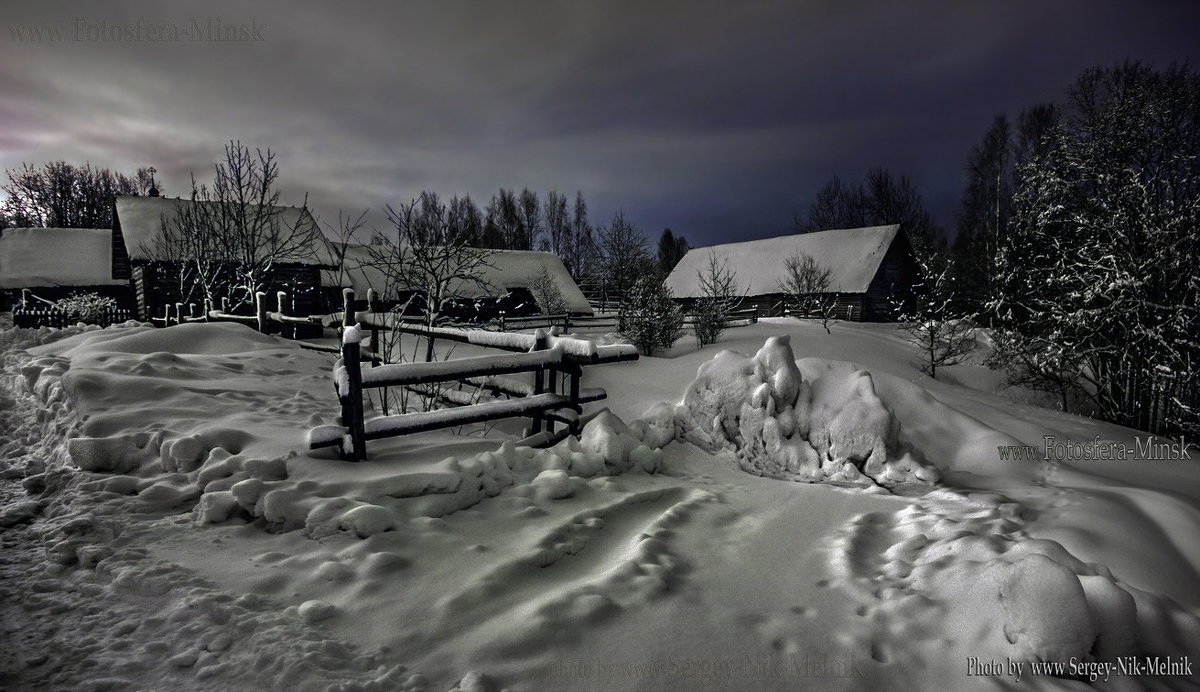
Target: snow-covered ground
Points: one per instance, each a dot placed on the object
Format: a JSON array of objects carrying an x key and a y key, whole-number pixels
[{"x": 805, "y": 510}]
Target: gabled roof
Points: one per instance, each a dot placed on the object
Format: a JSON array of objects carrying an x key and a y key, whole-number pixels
[
  {"x": 852, "y": 256},
  {"x": 509, "y": 269},
  {"x": 141, "y": 223},
  {"x": 33, "y": 257}
]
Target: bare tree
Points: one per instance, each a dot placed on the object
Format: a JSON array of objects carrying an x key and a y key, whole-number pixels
[
  {"x": 671, "y": 249},
  {"x": 943, "y": 336},
  {"x": 623, "y": 256},
  {"x": 62, "y": 195},
  {"x": 242, "y": 223},
  {"x": 425, "y": 258},
  {"x": 546, "y": 292},
  {"x": 719, "y": 297},
  {"x": 805, "y": 285},
  {"x": 337, "y": 240},
  {"x": 557, "y": 224},
  {"x": 529, "y": 215}
]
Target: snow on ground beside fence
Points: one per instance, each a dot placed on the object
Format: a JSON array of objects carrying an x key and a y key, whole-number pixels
[{"x": 167, "y": 505}]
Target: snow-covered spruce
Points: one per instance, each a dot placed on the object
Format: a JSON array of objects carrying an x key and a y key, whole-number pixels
[{"x": 830, "y": 428}]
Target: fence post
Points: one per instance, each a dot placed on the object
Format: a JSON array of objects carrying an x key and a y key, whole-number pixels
[
  {"x": 260, "y": 310},
  {"x": 280, "y": 301},
  {"x": 179, "y": 312},
  {"x": 225, "y": 304},
  {"x": 503, "y": 326},
  {"x": 208, "y": 308},
  {"x": 348, "y": 316},
  {"x": 576, "y": 373},
  {"x": 541, "y": 342},
  {"x": 352, "y": 410}
]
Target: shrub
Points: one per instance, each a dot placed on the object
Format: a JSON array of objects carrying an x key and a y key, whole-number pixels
[
  {"x": 89, "y": 308},
  {"x": 649, "y": 317}
]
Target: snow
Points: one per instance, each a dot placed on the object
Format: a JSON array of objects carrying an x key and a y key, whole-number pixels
[
  {"x": 852, "y": 256},
  {"x": 33, "y": 257},
  {"x": 165, "y": 526}
]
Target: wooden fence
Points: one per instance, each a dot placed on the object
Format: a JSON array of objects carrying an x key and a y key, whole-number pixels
[
  {"x": 33, "y": 312},
  {"x": 556, "y": 395}
]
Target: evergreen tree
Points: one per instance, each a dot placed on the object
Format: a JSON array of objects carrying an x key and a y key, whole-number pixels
[{"x": 649, "y": 316}]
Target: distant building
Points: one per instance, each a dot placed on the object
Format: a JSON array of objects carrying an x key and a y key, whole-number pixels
[
  {"x": 137, "y": 255},
  {"x": 868, "y": 267},
  {"x": 510, "y": 271},
  {"x": 53, "y": 263}
]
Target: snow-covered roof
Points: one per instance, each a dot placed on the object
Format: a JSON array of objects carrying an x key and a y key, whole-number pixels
[
  {"x": 508, "y": 269},
  {"x": 32, "y": 257},
  {"x": 141, "y": 220},
  {"x": 852, "y": 255}
]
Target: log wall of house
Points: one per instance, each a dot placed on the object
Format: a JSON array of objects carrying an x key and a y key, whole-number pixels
[
  {"x": 120, "y": 256},
  {"x": 893, "y": 281},
  {"x": 156, "y": 285}
]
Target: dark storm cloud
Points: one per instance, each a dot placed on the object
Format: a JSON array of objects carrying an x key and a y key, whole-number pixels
[{"x": 716, "y": 119}]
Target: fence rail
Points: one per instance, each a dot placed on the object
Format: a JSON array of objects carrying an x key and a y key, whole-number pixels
[{"x": 556, "y": 394}]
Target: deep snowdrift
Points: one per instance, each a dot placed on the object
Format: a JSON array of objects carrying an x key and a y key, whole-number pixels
[{"x": 168, "y": 511}]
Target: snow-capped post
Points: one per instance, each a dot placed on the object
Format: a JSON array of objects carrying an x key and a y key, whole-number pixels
[
  {"x": 280, "y": 301},
  {"x": 503, "y": 327},
  {"x": 260, "y": 310},
  {"x": 348, "y": 316},
  {"x": 208, "y": 308},
  {"x": 352, "y": 402},
  {"x": 225, "y": 304},
  {"x": 179, "y": 313},
  {"x": 192, "y": 311},
  {"x": 25, "y": 297},
  {"x": 575, "y": 372},
  {"x": 372, "y": 300}
]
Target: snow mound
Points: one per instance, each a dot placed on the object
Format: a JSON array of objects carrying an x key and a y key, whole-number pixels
[
  {"x": 199, "y": 338},
  {"x": 833, "y": 427},
  {"x": 966, "y": 559}
]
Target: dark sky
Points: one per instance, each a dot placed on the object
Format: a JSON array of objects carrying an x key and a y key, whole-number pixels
[{"x": 716, "y": 119}]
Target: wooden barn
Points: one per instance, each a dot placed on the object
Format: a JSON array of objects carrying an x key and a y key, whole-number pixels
[
  {"x": 868, "y": 266},
  {"x": 137, "y": 256},
  {"x": 509, "y": 271},
  {"x": 53, "y": 263}
]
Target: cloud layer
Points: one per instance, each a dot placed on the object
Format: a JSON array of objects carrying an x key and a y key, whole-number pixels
[{"x": 713, "y": 118}]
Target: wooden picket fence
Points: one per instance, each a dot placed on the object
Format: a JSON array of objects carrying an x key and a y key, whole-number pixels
[
  {"x": 33, "y": 312},
  {"x": 556, "y": 395}
]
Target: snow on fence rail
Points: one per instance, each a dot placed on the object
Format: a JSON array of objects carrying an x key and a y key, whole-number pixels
[{"x": 544, "y": 354}]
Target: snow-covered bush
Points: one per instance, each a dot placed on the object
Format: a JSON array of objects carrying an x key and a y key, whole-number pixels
[
  {"x": 89, "y": 308},
  {"x": 649, "y": 316}
]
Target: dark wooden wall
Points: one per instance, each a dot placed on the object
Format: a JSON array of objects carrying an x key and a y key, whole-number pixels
[
  {"x": 156, "y": 285},
  {"x": 892, "y": 281}
]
